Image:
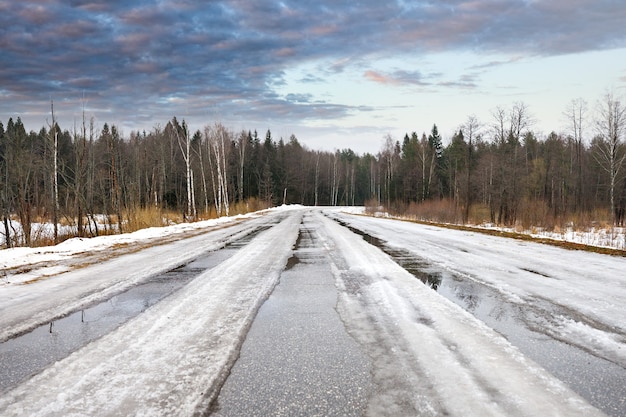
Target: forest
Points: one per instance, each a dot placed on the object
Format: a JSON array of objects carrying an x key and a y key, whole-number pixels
[{"x": 94, "y": 180}]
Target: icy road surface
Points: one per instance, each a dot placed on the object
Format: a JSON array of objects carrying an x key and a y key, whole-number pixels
[
  {"x": 584, "y": 292},
  {"x": 427, "y": 355}
]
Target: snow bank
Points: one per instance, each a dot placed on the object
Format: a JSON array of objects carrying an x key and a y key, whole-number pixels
[{"x": 39, "y": 262}]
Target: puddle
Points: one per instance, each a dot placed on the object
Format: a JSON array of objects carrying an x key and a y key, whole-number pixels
[
  {"x": 599, "y": 381},
  {"x": 292, "y": 261},
  {"x": 28, "y": 354},
  {"x": 417, "y": 267},
  {"x": 25, "y": 355}
]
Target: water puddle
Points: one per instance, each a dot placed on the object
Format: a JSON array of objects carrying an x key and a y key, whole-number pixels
[
  {"x": 28, "y": 354},
  {"x": 599, "y": 381},
  {"x": 419, "y": 268}
]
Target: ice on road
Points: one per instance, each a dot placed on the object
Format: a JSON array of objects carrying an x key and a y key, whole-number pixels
[
  {"x": 584, "y": 293},
  {"x": 26, "y": 306},
  {"x": 171, "y": 359},
  {"x": 428, "y": 356}
]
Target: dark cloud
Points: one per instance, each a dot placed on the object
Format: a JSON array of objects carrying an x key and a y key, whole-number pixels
[{"x": 151, "y": 57}]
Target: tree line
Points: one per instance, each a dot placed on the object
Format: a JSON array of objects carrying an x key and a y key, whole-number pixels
[
  {"x": 84, "y": 175},
  {"x": 497, "y": 171},
  {"x": 500, "y": 171}
]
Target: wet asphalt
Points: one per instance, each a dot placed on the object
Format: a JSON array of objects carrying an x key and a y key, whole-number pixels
[{"x": 297, "y": 359}]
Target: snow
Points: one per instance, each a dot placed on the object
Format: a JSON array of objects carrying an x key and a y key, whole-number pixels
[
  {"x": 102, "y": 267},
  {"x": 614, "y": 238},
  {"x": 171, "y": 359},
  {"x": 607, "y": 237},
  {"x": 21, "y": 257},
  {"x": 421, "y": 343},
  {"x": 585, "y": 293},
  {"x": 429, "y": 356}
]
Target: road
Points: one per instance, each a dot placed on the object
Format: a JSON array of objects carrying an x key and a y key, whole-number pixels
[{"x": 340, "y": 326}]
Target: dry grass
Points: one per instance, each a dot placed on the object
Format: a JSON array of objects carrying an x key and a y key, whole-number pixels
[
  {"x": 143, "y": 218},
  {"x": 534, "y": 216},
  {"x": 442, "y": 211},
  {"x": 248, "y": 206}
]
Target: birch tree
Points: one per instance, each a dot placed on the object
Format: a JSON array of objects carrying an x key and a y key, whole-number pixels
[
  {"x": 4, "y": 167},
  {"x": 182, "y": 138},
  {"x": 611, "y": 124},
  {"x": 218, "y": 137},
  {"x": 80, "y": 146},
  {"x": 242, "y": 144},
  {"x": 54, "y": 140},
  {"x": 197, "y": 139}
]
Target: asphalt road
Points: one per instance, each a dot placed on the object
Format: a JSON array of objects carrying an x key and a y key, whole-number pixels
[
  {"x": 297, "y": 358},
  {"x": 305, "y": 319}
]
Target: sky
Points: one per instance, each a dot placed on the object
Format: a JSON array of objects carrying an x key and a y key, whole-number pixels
[{"x": 336, "y": 74}]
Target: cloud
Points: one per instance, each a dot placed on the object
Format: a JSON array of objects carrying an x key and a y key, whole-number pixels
[
  {"x": 398, "y": 77},
  {"x": 311, "y": 79},
  {"x": 299, "y": 98},
  {"x": 465, "y": 82},
  {"x": 130, "y": 55},
  {"x": 378, "y": 77},
  {"x": 497, "y": 63}
]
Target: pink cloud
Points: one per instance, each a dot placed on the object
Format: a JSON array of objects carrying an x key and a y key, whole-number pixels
[{"x": 378, "y": 77}]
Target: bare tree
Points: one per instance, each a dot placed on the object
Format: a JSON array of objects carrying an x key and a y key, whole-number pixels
[
  {"x": 198, "y": 137},
  {"x": 216, "y": 201},
  {"x": 499, "y": 117},
  {"x": 54, "y": 139},
  {"x": 471, "y": 129},
  {"x": 611, "y": 125},
  {"x": 508, "y": 128},
  {"x": 520, "y": 120},
  {"x": 242, "y": 144},
  {"x": 218, "y": 137},
  {"x": 90, "y": 183},
  {"x": 6, "y": 191},
  {"x": 182, "y": 138},
  {"x": 576, "y": 113},
  {"x": 113, "y": 140},
  {"x": 317, "y": 176},
  {"x": 335, "y": 181},
  {"x": 424, "y": 159}
]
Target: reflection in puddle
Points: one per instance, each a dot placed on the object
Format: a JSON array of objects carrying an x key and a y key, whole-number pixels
[
  {"x": 25, "y": 355},
  {"x": 417, "y": 267}
]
